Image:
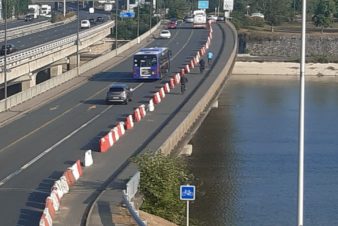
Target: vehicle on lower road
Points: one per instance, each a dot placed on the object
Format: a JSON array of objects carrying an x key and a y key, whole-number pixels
[
  {"x": 119, "y": 93},
  {"x": 85, "y": 24},
  {"x": 10, "y": 49}
]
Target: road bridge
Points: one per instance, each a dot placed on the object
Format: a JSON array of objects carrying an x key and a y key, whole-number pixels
[{"x": 52, "y": 136}]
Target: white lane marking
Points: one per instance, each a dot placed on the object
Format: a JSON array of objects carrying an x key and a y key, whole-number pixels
[{"x": 31, "y": 162}]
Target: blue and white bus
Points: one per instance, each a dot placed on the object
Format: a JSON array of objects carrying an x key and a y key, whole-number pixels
[{"x": 151, "y": 63}]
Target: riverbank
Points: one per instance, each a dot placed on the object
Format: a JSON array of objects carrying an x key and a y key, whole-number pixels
[{"x": 284, "y": 70}]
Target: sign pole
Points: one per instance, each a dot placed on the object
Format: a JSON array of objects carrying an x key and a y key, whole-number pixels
[{"x": 187, "y": 212}]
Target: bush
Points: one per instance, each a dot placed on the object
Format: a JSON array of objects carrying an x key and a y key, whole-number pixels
[
  {"x": 56, "y": 17},
  {"x": 161, "y": 177}
]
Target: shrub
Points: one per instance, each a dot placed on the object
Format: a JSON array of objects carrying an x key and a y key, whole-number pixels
[{"x": 161, "y": 177}]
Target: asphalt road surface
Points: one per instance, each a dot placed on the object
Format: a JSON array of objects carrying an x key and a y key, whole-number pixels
[
  {"x": 37, "y": 148},
  {"x": 51, "y": 34}
]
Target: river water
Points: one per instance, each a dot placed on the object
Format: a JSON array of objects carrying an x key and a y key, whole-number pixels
[{"x": 245, "y": 155}]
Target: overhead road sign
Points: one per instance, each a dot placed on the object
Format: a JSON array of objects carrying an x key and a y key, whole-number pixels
[
  {"x": 127, "y": 14},
  {"x": 203, "y": 4},
  {"x": 228, "y": 5}
]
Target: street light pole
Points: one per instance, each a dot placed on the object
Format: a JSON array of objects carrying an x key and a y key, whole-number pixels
[
  {"x": 116, "y": 12},
  {"x": 138, "y": 21},
  {"x": 78, "y": 39},
  {"x": 5, "y": 57},
  {"x": 301, "y": 122},
  {"x": 150, "y": 14}
]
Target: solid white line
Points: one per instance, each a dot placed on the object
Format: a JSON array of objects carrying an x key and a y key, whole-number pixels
[{"x": 31, "y": 162}]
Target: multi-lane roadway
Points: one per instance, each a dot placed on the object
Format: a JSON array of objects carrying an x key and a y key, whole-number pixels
[
  {"x": 36, "y": 148},
  {"x": 54, "y": 33}
]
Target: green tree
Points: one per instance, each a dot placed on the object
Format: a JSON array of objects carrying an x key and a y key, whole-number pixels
[
  {"x": 161, "y": 177},
  {"x": 177, "y": 8},
  {"x": 275, "y": 11},
  {"x": 323, "y": 13},
  {"x": 15, "y": 7}
]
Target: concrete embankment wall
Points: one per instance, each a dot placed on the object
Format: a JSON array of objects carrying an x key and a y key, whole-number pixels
[
  {"x": 201, "y": 104},
  {"x": 60, "y": 79},
  {"x": 287, "y": 44}
]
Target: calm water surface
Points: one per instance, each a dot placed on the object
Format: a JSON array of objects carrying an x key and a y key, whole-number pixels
[{"x": 246, "y": 156}]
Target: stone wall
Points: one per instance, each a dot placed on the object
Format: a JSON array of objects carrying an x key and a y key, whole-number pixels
[{"x": 287, "y": 44}]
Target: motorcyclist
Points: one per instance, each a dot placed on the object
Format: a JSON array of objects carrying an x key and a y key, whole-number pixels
[{"x": 202, "y": 65}]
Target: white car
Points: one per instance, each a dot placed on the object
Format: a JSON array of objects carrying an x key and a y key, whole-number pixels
[
  {"x": 85, "y": 24},
  {"x": 212, "y": 17},
  {"x": 165, "y": 34},
  {"x": 260, "y": 15}
]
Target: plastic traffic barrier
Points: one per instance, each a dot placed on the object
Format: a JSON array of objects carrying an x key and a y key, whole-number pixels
[
  {"x": 121, "y": 130},
  {"x": 166, "y": 87},
  {"x": 162, "y": 93},
  {"x": 157, "y": 98},
  {"x": 88, "y": 159},
  {"x": 129, "y": 122},
  {"x": 172, "y": 83},
  {"x": 142, "y": 110},
  {"x": 137, "y": 115},
  {"x": 187, "y": 68},
  {"x": 151, "y": 106}
]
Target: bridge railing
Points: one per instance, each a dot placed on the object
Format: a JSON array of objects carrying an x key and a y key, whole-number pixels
[{"x": 52, "y": 46}]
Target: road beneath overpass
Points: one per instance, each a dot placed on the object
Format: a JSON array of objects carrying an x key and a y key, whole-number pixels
[
  {"x": 38, "y": 38},
  {"x": 37, "y": 148}
]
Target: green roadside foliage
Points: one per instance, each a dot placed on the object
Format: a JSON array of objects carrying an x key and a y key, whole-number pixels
[{"x": 161, "y": 177}]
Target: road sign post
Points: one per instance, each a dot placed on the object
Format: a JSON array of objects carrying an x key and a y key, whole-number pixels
[{"x": 187, "y": 193}]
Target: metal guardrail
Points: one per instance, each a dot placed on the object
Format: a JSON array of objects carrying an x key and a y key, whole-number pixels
[
  {"x": 132, "y": 186},
  {"x": 129, "y": 194},
  {"x": 32, "y": 28},
  {"x": 52, "y": 46}
]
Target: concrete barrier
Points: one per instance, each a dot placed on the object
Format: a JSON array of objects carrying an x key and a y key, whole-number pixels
[{"x": 23, "y": 96}]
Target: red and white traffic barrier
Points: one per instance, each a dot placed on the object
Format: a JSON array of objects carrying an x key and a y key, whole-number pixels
[
  {"x": 129, "y": 122},
  {"x": 187, "y": 68},
  {"x": 167, "y": 87},
  {"x": 46, "y": 219},
  {"x": 115, "y": 134},
  {"x": 192, "y": 63},
  {"x": 177, "y": 79},
  {"x": 172, "y": 83},
  {"x": 121, "y": 130},
  {"x": 157, "y": 98},
  {"x": 137, "y": 115},
  {"x": 106, "y": 142},
  {"x": 142, "y": 110},
  {"x": 162, "y": 93},
  {"x": 182, "y": 72}
]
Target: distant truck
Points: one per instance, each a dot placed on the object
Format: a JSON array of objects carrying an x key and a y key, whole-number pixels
[
  {"x": 200, "y": 19},
  {"x": 45, "y": 10},
  {"x": 108, "y": 7},
  {"x": 34, "y": 10}
]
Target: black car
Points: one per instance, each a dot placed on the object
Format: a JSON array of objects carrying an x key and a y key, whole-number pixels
[
  {"x": 100, "y": 19},
  {"x": 119, "y": 93},
  {"x": 29, "y": 17},
  {"x": 92, "y": 21},
  {"x": 10, "y": 49},
  {"x": 220, "y": 18}
]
